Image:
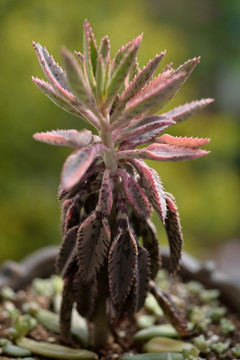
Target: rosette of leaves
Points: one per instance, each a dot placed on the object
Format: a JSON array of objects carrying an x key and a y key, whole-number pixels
[{"x": 109, "y": 255}]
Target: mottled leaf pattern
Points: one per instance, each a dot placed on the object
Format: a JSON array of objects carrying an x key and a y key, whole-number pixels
[
  {"x": 174, "y": 232},
  {"x": 122, "y": 261},
  {"x": 135, "y": 194},
  {"x": 92, "y": 247},
  {"x": 143, "y": 275},
  {"x": 72, "y": 138}
]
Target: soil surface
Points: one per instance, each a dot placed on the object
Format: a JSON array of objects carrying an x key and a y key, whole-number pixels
[{"x": 186, "y": 297}]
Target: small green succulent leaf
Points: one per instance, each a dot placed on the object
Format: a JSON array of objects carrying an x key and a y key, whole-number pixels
[
  {"x": 104, "y": 49},
  {"x": 72, "y": 138},
  {"x": 92, "y": 245},
  {"x": 174, "y": 232},
  {"x": 90, "y": 54},
  {"x": 122, "y": 262},
  {"x": 165, "y": 330},
  {"x": 163, "y": 344},
  {"x": 75, "y": 80},
  {"x": 122, "y": 69},
  {"x": 100, "y": 77}
]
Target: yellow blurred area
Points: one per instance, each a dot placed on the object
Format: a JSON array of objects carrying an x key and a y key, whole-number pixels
[{"x": 206, "y": 190}]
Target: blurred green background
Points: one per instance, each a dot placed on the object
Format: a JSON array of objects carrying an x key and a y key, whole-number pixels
[{"x": 206, "y": 190}]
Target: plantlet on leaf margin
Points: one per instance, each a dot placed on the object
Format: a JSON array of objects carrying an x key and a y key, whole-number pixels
[{"x": 106, "y": 187}]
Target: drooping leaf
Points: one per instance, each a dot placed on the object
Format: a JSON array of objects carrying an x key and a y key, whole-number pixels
[
  {"x": 73, "y": 214},
  {"x": 64, "y": 209},
  {"x": 76, "y": 81},
  {"x": 163, "y": 152},
  {"x": 135, "y": 194},
  {"x": 189, "y": 142},
  {"x": 77, "y": 164},
  {"x": 174, "y": 232},
  {"x": 122, "y": 69},
  {"x": 182, "y": 112},
  {"x": 143, "y": 274},
  {"x": 122, "y": 262},
  {"x": 67, "y": 250},
  {"x": 170, "y": 310},
  {"x": 154, "y": 94},
  {"x": 72, "y": 138},
  {"x": 139, "y": 81},
  {"x": 153, "y": 187},
  {"x": 105, "y": 194},
  {"x": 85, "y": 295},
  {"x": 49, "y": 91},
  {"x": 92, "y": 246}
]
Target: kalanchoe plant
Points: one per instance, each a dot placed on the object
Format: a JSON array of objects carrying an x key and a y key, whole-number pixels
[{"x": 109, "y": 255}]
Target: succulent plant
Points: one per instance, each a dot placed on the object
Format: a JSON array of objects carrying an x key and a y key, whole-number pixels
[{"x": 109, "y": 255}]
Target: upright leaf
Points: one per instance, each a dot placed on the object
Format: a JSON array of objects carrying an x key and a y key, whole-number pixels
[
  {"x": 122, "y": 70},
  {"x": 90, "y": 54},
  {"x": 92, "y": 246}
]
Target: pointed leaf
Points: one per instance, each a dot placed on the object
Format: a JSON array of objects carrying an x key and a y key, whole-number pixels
[
  {"x": 104, "y": 49},
  {"x": 145, "y": 129},
  {"x": 156, "y": 93},
  {"x": 64, "y": 209},
  {"x": 73, "y": 138},
  {"x": 49, "y": 91},
  {"x": 163, "y": 152},
  {"x": 100, "y": 77},
  {"x": 67, "y": 250},
  {"x": 73, "y": 214},
  {"x": 189, "y": 142},
  {"x": 105, "y": 194},
  {"x": 76, "y": 81},
  {"x": 143, "y": 274},
  {"x": 93, "y": 243},
  {"x": 170, "y": 310},
  {"x": 137, "y": 84},
  {"x": 182, "y": 112},
  {"x": 135, "y": 194},
  {"x": 53, "y": 72},
  {"x": 122, "y": 70},
  {"x": 122, "y": 261},
  {"x": 77, "y": 164},
  {"x": 90, "y": 54},
  {"x": 174, "y": 232},
  {"x": 153, "y": 187}
]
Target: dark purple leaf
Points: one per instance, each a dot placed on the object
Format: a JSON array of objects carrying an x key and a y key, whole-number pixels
[
  {"x": 143, "y": 275},
  {"x": 105, "y": 194},
  {"x": 122, "y": 262},
  {"x": 92, "y": 245},
  {"x": 135, "y": 194},
  {"x": 67, "y": 250},
  {"x": 77, "y": 164},
  {"x": 174, "y": 232}
]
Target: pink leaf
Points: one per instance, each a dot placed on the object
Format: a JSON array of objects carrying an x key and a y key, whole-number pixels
[
  {"x": 122, "y": 262},
  {"x": 135, "y": 194},
  {"x": 153, "y": 188},
  {"x": 73, "y": 138},
  {"x": 163, "y": 152},
  {"x": 182, "y": 112},
  {"x": 188, "y": 142},
  {"x": 174, "y": 232},
  {"x": 105, "y": 194},
  {"x": 92, "y": 245},
  {"x": 77, "y": 164}
]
